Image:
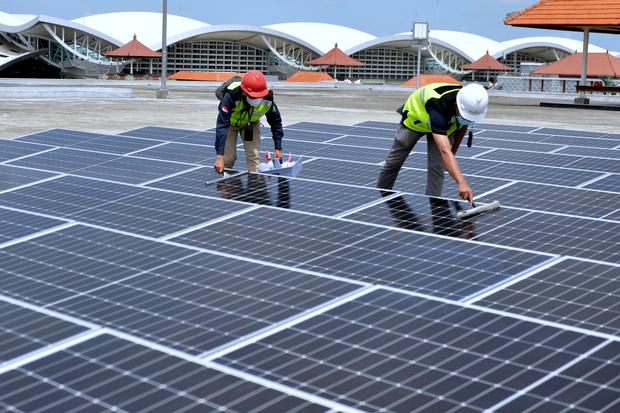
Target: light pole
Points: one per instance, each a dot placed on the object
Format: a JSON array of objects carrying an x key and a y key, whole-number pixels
[
  {"x": 162, "y": 93},
  {"x": 419, "y": 38}
]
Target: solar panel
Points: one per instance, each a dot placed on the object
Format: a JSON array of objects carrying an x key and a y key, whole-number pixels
[
  {"x": 63, "y": 160},
  {"x": 13, "y": 176},
  {"x": 199, "y": 303},
  {"x": 15, "y": 224},
  {"x": 351, "y": 250},
  {"x": 579, "y": 293},
  {"x": 607, "y": 183},
  {"x": 392, "y": 352},
  {"x": 178, "y": 152},
  {"x": 482, "y": 142},
  {"x": 560, "y": 234},
  {"x": 66, "y": 195},
  {"x": 57, "y": 266},
  {"x": 23, "y": 331},
  {"x": 59, "y": 137},
  {"x": 590, "y": 384},
  {"x": 379, "y": 125},
  {"x": 159, "y": 133},
  {"x": 594, "y": 152},
  {"x": 111, "y": 374},
  {"x": 571, "y": 132},
  {"x": 564, "y": 200},
  {"x": 11, "y": 149},
  {"x": 319, "y": 127},
  {"x": 306, "y": 294},
  {"x": 114, "y": 144},
  {"x": 432, "y": 215},
  {"x": 132, "y": 170}
]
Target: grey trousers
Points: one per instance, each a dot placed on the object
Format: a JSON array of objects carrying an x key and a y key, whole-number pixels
[{"x": 403, "y": 144}]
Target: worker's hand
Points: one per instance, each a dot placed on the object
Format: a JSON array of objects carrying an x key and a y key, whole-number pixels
[
  {"x": 219, "y": 164},
  {"x": 466, "y": 193},
  {"x": 278, "y": 154}
]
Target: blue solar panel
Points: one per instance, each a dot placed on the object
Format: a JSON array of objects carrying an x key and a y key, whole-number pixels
[
  {"x": 13, "y": 176},
  {"x": 11, "y": 149},
  {"x": 63, "y": 160},
  {"x": 15, "y": 224},
  {"x": 177, "y": 152},
  {"x": 607, "y": 183},
  {"x": 59, "y": 137},
  {"x": 132, "y": 170}
]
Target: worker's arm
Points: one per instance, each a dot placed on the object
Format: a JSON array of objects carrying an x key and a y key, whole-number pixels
[
  {"x": 452, "y": 166},
  {"x": 275, "y": 122},
  {"x": 226, "y": 106},
  {"x": 458, "y": 138}
]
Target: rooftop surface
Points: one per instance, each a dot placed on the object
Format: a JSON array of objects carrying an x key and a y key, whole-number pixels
[{"x": 131, "y": 281}]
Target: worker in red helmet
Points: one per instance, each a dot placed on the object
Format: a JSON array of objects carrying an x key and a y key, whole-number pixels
[{"x": 241, "y": 107}]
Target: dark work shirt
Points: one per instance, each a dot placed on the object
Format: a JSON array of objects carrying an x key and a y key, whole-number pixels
[
  {"x": 441, "y": 111},
  {"x": 229, "y": 102}
]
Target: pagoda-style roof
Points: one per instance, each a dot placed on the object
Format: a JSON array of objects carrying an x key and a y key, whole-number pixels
[
  {"x": 600, "y": 16},
  {"x": 599, "y": 64},
  {"x": 133, "y": 49},
  {"x": 335, "y": 57},
  {"x": 487, "y": 62}
]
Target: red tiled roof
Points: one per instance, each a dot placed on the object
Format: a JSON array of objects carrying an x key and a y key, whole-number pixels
[
  {"x": 602, "y": 16},
  {"x": 335, "y": 57},
  {"x": 428, "y": 79},
  {"x": 204, "y": 76},
  {"x": 133, "y": 49},
  {"x": 599, "y": 64},
  {"x": 309, "y": 77},
  {"x": 487, "y": 62}
]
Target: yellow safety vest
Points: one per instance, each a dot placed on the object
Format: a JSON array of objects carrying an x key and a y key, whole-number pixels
[
  {"x": 418, "y": 118},
  {"x": 244, "y": 114}
]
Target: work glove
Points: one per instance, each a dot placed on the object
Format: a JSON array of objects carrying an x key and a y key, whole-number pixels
[{"x": 277, "y": 154}]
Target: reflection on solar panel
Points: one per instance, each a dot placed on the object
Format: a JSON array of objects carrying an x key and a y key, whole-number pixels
[
  {"x": 135, "y": 278},
  {"x": 392, "y": 352},
  {"x": 111, "y": 374}
]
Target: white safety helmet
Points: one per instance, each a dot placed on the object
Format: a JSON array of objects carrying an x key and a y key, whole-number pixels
[{"x": 472, "y": 101}]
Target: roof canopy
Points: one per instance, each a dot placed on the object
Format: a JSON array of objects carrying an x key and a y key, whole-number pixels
[
  {"x": 599, "y": 64},
  {"x": 487, "y": 62},
  {"x": 335, "y": 57},
  {"x": 600, "y": 16},
  {"x": 133, "y": 49},
  {"x": 428, "y": 79}
]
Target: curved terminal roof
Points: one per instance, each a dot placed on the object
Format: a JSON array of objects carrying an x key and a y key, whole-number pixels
[
  {"x": 324, "y": 36},
  {"x": 119, "y": 28},
  {"x": 147, "y": 25}
]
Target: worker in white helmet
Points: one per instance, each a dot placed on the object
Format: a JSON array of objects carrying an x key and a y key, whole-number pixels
[{"x": 442, "y": 112}]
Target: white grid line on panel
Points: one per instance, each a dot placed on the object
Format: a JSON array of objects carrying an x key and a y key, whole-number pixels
[
  {"x": 38, "y": 233},
  {"x": 612, "y": 264},
  {"x": 49, "y": 349},
  {"x": 481, "y": 153},
  {"x": 29, "y": 155},
  {"x": 233, "y": 372},
  {"x": 224, "y": 254},
  {"x": 368, "y": 205},
  {"x": 131, "y": 154},
  {"x": 170, "y": 175},
  {"x": 208, "y": 223},
  {"x": 50, "y": 178},
  {"x": 277, "y": 327},
  {"x": 591, "y": 181},
  {"x": 548, "y": 377},
  {"x": 513, "y": 280}
]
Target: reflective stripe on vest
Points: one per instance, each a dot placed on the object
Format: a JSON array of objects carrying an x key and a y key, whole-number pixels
[
  {"x": 243, "y": 114},
  {"x": 418, "y": 118}
]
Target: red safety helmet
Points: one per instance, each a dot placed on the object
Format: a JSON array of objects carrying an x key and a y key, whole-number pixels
[{"x": 254, "y": 84}]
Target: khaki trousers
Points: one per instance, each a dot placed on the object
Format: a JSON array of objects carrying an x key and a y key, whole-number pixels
[{"x": 251, "y": 148}]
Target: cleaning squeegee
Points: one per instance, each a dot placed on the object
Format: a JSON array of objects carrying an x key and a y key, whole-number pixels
[{"x": 478, "y": 210}]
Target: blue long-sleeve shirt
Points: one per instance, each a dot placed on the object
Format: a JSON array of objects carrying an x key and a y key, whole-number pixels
[{"x": 228, "y": 104}]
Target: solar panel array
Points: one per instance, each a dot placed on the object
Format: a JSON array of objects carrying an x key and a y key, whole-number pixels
[{"x": 133, "y": 278}]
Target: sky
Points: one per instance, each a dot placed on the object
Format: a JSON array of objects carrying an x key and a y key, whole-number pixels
[{"x": 380, "y": 18}]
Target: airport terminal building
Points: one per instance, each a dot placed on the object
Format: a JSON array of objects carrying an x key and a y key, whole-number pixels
[{"x": 45, "y": 46}]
